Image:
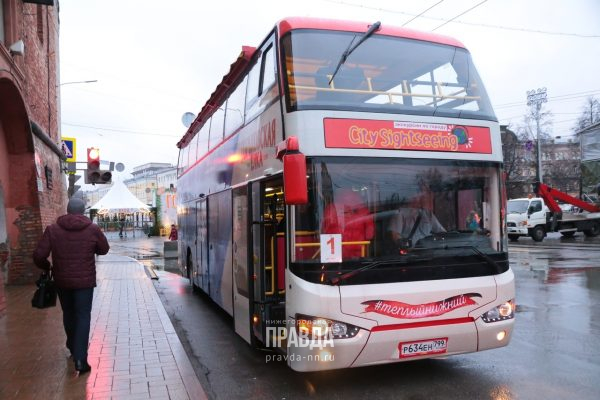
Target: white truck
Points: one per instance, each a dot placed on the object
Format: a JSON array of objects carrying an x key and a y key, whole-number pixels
[
  {"x": 526, "y": 217},
  {"x": 536, "y": 216}
]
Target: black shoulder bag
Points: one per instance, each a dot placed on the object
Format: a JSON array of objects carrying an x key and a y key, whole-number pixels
[{"x": 45, "y": 294}]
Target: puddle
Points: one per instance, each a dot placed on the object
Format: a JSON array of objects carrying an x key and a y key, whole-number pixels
[{"x": 160, "y": 263}]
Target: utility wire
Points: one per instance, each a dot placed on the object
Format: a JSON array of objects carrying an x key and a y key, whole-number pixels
[
  {"x": 507, "y": 28},
  {"x": 417, "y": 16},
  {"x": 121, "y": 130},
  {"x": 561, "y": 97},
  {"x": 459, "y": 15}
]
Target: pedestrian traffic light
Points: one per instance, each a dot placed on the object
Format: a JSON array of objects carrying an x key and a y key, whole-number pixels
[{"x": 94, "y": 174}]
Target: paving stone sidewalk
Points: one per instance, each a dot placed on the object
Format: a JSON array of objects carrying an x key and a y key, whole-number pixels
[{"x": 134, "y": 350}]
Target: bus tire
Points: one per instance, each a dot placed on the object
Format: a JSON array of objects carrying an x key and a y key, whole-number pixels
[
  {"x": 538, "y": 233},
  {"x": 593, "y": 231},
  {"x": 513, "y": 238}
]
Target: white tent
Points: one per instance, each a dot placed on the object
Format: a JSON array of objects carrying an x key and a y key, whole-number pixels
[{"x": 119, "y": 200}]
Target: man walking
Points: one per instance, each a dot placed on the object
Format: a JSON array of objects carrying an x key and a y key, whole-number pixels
[{"x": 73, "y": 241}]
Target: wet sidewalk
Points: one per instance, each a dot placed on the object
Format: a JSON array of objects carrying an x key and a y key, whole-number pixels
[{"x": 134, "y": 350}]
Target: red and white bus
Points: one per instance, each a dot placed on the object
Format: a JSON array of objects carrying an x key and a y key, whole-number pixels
[{"x": 340, "y": 196}]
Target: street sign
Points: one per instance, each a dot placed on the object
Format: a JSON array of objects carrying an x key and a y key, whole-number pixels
[{"x": 69, "y": 147}]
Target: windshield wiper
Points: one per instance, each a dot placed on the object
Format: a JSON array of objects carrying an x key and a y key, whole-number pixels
[
  {"x": 481, "y": 254},
  {"x": 347, "y": 275},
  {"x": 374, "y": 28}
]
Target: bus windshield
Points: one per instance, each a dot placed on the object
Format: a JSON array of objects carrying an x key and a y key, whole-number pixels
[
  {"x": 409, "y": 219},
  {"x": 383, "y": 74}
]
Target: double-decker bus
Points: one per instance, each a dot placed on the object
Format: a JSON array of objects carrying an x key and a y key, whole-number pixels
[{"x": 341, "y": 197}]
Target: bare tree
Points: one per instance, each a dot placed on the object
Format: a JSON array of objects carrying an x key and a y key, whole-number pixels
[
  {"x": 562, "y": 170},
  {"x": 529, "y": 125},
  {"x": 590, "y": 114},
  {"x": 519, "y": 152}
]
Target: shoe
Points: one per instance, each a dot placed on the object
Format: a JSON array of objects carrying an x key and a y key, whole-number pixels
[{"x": 82, "y": 366}]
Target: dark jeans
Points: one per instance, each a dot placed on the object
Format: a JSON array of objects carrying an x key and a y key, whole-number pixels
[{"x": 76, "y": 305}]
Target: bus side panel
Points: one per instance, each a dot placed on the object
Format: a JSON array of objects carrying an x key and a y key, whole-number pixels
[{"x": 219, "y": 249}]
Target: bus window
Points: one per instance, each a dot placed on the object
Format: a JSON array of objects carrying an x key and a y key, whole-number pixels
[
  {"x": 374, "y": 203},
  {"x": 179, "y": 166},
  {"x": 384, "y": 74},
  {"x": 269, "y": 73},
  {"x": 253, "y": 82},
  {"x": 203, "y": 139},
  {"x": 216, "y": 127},
  {"x": 193, "y": 156},
  {"x": 184, "y": 157},
  {"x": 234, "y": 116}
]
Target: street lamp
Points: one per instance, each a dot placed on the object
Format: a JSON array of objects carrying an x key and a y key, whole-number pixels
[{"x": 536, "y": 98}]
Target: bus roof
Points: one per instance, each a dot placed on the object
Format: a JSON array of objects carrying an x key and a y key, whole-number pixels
[
  {"x": 288, "y": 24},
  {"x": 220, "y": 93}
]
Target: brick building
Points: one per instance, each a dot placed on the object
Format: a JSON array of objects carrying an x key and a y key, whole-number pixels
[{"x": 32, "y": 184}]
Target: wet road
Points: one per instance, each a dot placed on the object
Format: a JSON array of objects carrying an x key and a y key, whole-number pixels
[{"x": 554, "y": 352}]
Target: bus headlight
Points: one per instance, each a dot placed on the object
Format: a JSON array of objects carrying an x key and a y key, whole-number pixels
[
  {"x": 317, "y": 328},
  {"x": 500, "y": 313}
]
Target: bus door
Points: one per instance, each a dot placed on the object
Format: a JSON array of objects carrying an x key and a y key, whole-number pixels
[
  {"x": 241, "y": 276},
  {"x": 268, "y": 255},
  {"x": 220, "y": 249},
  {"x": 200, "y": 273}
]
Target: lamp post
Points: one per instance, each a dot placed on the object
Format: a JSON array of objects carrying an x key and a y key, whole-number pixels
[{"x": 536, "y": 98}]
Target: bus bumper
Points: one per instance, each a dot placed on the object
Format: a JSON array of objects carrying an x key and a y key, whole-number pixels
[
  {"x": 382, "y": 345},
  {"x": 495, "y": 334},
  {"x": 385, "y": 342},
  {"x": 338, "y": 353}
]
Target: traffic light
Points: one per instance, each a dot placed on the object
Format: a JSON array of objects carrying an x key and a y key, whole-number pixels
[{"x": 94, "y": 174}]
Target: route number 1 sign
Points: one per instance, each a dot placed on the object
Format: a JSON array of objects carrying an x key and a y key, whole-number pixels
[{"x": 331, "y": 248}]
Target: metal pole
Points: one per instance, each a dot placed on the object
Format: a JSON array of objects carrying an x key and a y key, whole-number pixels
[
  {"x": 539, "y": 144},
  {"x": 536, "y": 98}
]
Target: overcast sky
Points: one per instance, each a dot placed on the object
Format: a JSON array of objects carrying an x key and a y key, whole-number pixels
[{"x": 155, "y": 60}]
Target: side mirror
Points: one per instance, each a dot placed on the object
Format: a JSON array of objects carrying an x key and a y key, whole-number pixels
[
  {"x": 530, "y": 210},
  {"x": 294, "y": 179},
  {"x": 295, "y": 186}
]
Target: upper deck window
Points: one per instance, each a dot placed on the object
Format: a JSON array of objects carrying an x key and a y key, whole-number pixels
[{"x": 384, "y": 74}]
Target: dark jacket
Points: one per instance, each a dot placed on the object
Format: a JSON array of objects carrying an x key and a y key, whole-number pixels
[{"x": 73, "y": 241}]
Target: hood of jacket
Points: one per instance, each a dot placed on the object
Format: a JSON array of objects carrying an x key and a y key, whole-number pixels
[{"x": 73, "y": 222}]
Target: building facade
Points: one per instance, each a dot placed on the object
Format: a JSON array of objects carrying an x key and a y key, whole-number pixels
[
  {"x": 560, "y": 165},
  {"x": 32, "y": 182}
]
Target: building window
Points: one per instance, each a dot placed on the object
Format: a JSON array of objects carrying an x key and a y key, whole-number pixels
[
  {"x": 40, "y": 23},
  {"x": 48, "y": 172}
]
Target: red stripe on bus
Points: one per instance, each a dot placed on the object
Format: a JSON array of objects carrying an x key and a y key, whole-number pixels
[
  {"x": 423, "y": 324},
  {"x": 289, "y": 24}
]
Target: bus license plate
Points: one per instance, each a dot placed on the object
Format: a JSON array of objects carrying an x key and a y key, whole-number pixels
[{"x": 423, "y": 347}]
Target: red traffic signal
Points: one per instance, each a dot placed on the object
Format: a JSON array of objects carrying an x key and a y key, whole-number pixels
[
  {"x": 93, "y": 158},
  {"x": 93, "y": 174}
]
